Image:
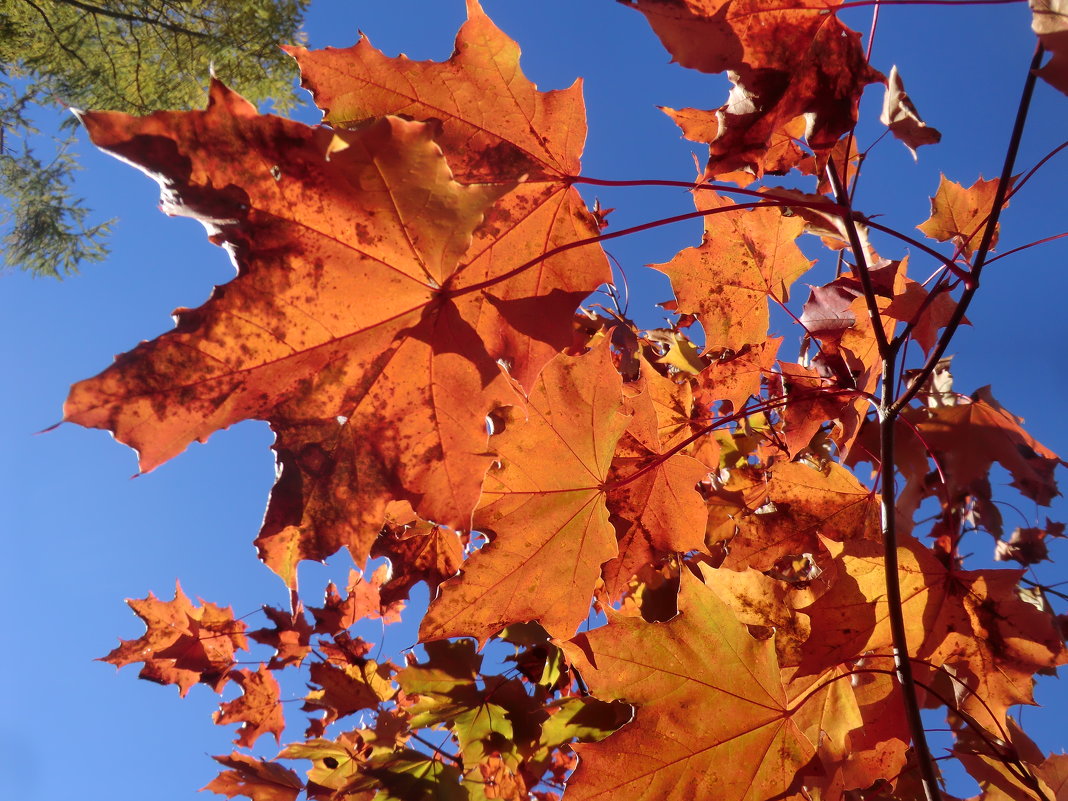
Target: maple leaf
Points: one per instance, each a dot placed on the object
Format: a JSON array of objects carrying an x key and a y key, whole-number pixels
[
  {"x": 971, "y": 621},
  {"x": 704, "y": 658},
  {"x": 900, "y": 116},
  {"x": 259, "y": 708},
  {"x": 829, "y": 310},
  {"x": 495, "y": 127},
  {"x": 811, "y": 399},
  {"x": 968, "y": 438},
  {"x": 784, "y": 62},
  {"x": 283, "y": 338},
  {"x": 487, "y": 716},
  {"x": 335, "y": 214},
  {"x": 417, "y": 551},
  {"x": 258, "y": 779},
  {"x": 653, "y": 500},
  {"x": 344, "y": 649},
  {"x": 959, "y": 214},
  {"x": 363, "y": 600},
  {"x": 927, "y": 315},
  {"x": 744, "y": 258},
  {"x": 290, "y": 637},
  {"x": 782, "y": 153},
  {"x": 736, "y": 377},
  {"x": 183, "y": 644},
  {"x": 346, "y": 689},
  {"x": 791, "y": 505},
  {"x": 837, "y": 315},
  {"x": 1050, "y": 21},
  {"x": 545, "y": 507}
]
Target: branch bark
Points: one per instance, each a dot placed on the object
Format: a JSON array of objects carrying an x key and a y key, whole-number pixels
[{"x": 890, "y": 409}]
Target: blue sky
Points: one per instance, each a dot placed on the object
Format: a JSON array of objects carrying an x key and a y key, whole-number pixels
[{"x": 81, "y": 535}]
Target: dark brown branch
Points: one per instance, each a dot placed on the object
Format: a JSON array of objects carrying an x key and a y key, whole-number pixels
[
  {"x": 984, "y": 245},
  {"x": 890, "y": 409},
  {"x": 841, "y": 197},
  {"x": 785, "y": 201},
  {"x": 887, "y": 505}
]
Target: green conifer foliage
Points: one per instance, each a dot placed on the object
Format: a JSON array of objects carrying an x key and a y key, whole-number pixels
[{"x": 125, "y": 55}]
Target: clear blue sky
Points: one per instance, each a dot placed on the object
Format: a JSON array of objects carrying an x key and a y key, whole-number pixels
[{"x": 81, "y": 536}]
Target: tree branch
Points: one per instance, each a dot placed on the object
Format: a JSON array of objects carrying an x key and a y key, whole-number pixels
[
  {"x": 841, "y": 197},
  {"x": 984, "y": 245},
  {"x": 889, "y": 410}
]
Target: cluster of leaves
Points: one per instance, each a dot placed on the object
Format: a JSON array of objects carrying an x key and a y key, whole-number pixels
[
  {"x": 122, "y": 55},
  {"x": 407, "y": 319},
  {"x": 511, "y": 731}
]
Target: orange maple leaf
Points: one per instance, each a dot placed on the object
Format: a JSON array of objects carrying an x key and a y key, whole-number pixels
[
  {"x": 781, "y": 153},
  {"x": 335, "y": 215},
  {"x": 544, "y": 507},
  {"x": 382, "y": 398},
  {"x": 183, "y": 644},
  {"x": 362, "y": 601},
  {"x": 959, "y": 215},
  {"x": 928, "y": 316},
  {"x": 970, "y": 621},
  {"x": 496, "y": 127},
  {"x": 346, "y": 689},
  {"x": 967, "y": 438},
  {"x": 417, "y": 551},
  {"x": 259, "y": 708},
  {"x": 736, "y": 377},
  {"x": 811, "y": 399},
  {"x": 793, "y": 505},
  {"x": 290, "y": 637},
  {"x": 327, "y": 217},
  {"x": 746, "y": 258},
  {"x": 701, "y": 673},
  {"x": 258, "y": 779}
]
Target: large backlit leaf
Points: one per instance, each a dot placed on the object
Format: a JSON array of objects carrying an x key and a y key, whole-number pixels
[
  {"x": 713, "y": 717},
  {"x": 545, "y": 508},
  {"x": 495, "y": 127}
]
